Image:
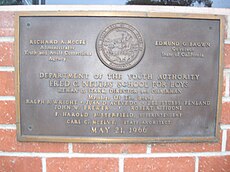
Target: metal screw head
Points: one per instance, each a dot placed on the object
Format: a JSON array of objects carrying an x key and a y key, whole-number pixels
[
  {"x": 30, "y": 128},
  {"x": 28, "y": 24}
]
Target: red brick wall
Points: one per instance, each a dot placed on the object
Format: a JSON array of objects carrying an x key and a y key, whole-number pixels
[{"x": 52, "y": 157}]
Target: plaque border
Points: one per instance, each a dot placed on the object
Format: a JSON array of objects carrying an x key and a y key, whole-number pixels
[{"x": 118, "y": 13}]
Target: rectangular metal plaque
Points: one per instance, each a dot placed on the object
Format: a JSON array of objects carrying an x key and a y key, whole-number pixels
[{"x": 118, "y": 77}]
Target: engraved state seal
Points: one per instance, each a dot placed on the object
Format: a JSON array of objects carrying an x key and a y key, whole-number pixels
[{"x": 120, "y": 46}]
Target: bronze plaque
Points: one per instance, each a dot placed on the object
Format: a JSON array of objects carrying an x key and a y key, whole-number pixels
[{"x": 118, "y": 77}]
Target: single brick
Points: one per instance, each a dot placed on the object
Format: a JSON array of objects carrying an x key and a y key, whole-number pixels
[
  {"x": 214, "y": 164},
  {"x": 227, "y": 55},
  {"x": 7, "y": 112},
  {"x": 20, "y": 164},
  {"x": 7, "y": 23},
  {"x": 186, "y": 147},
  {"x": 109, "y": 148},
  {"x": 228, "y": 140},
  {"x": 6, "y": 83},
  {"x": 10, "y": 144},
  {"x": 82, "y": 164},
  {"x": 7, "y": 54},
  {"x": 225, "y": 116},
  {"x": 159, "y": 164}
]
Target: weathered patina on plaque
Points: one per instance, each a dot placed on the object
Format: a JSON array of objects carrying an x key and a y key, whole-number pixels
[{"x": 116, "y": 78}]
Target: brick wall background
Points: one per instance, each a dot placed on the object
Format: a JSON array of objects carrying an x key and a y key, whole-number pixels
[{"x": 52, "y": 157}]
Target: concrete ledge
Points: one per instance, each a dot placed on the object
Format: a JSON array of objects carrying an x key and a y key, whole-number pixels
[{"x": 139, "y": 8}]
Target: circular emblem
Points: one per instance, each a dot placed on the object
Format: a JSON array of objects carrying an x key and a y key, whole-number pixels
[{"x": 120, "y": 46}]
